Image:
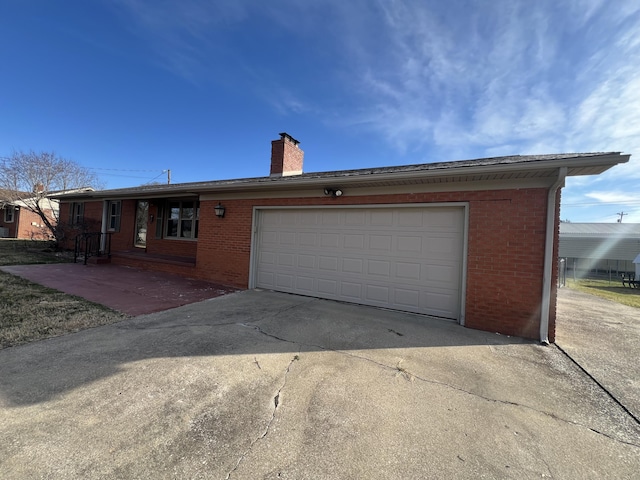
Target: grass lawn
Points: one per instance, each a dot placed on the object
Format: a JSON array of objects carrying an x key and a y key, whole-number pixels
[
  {"x": 611, "y": 290},
  {"x": 27, "y": 252},
  {"x": 32, "y": 312}
]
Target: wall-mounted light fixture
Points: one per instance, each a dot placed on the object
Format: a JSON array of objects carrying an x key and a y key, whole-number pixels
[
  {"x": 151, "y": 218},
  {"x": 219, "y": 209},
  {"x": 334, "y": 192}
]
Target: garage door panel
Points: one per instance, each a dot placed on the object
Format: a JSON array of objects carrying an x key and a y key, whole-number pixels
[
  {"x": 326, "y": 286},
  {"x": 380, "y": 242},
  {"x": 305, "y": 284},
  {"x": 377, "y": 293},
  {"x": 306, "y": 261},
  {"x": 351, "y": 290},
  {"x": 411, "y": 218},
  {"x": 354, "y": 241},
  {"x": 408, "y": 271},
  {"x": 329, "y": 240},
  {"x": 307, "y": 239},
  {"x": 381, "y": 217},
  {"x": 407, "y": 298},
  {"x": 379, "y": 268},
  {"x": 404, "y": 258},
  {"x": 328, "y": 264},
  {"x": 355, "y": 217},
  {"x": 268, "y": 258},
  {"x": 411, "y": 244},
  {"x": 352, "y": 265}
]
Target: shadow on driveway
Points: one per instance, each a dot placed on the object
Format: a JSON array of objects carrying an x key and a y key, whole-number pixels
[{"x": 259, "y": 384}]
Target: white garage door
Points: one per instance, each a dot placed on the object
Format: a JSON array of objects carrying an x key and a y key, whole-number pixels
[{"x": 405, "y": 258}]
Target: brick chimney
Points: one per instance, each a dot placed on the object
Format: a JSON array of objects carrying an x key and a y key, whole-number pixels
[{"x": 286, "y": 156}]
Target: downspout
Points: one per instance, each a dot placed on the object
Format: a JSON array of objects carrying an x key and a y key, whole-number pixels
[{"x": 548, "y": 255}]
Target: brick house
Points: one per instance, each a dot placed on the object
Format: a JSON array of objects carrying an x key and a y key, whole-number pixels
[
  {"x": 472, "y": 241},
  {"x": 17, "y": 221}
]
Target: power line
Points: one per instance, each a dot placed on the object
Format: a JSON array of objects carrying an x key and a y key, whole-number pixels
[{"x": 124, "y": 169}]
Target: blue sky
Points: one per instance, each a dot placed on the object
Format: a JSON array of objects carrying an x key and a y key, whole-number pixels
[{"x": 135, "y": 87}]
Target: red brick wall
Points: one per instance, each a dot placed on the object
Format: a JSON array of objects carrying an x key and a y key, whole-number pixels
[
  {"x": 22, "y": 225},
  {"x": 505, "y": 252},
  {"x": 505, "y": 262},
  {"x": 168, "y": 246},
  {"x": 124, "y": 238},
  {"x": 11, "y": 226}
]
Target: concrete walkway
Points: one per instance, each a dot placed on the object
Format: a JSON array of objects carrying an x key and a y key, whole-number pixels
[{"x": 267, "y": 385}]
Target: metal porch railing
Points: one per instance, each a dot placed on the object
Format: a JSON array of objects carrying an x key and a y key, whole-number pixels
[{"x": 89, "y": 245}]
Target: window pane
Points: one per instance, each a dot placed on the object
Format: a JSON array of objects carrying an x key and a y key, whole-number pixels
[
  {"x": 174, "y": 210},
  {"x": 172, "y": 228},
  {"x": 185, "y": 229},
  {"x": 187, "y": 213}
]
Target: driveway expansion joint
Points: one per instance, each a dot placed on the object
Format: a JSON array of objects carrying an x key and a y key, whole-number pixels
[{"x": 602, "y": 387}]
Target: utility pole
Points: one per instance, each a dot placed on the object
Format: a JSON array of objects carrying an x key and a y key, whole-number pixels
[
  {"x": 622, "y": 214},
  {"x": 169, "y": 178}
]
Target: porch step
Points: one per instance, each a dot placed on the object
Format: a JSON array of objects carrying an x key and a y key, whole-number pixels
[{"x": 98, "y": 260}]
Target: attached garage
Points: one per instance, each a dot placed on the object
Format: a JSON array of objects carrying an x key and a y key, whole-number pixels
[
  {"x": 408, "y": 258},
  {"x": 474, "y": 241}
]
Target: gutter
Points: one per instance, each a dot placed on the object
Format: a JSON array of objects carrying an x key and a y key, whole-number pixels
[
  {"x": 352, "y": 177},
  {"x": 548, "y": 256}
]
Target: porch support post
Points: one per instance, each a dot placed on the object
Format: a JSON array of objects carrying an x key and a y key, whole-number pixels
[{"x": 103, "y": 227}]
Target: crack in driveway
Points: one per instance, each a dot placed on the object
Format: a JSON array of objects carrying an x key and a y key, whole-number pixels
[
  {"x": 444, "y": 384},
  {"x": 276, "y": 404}
]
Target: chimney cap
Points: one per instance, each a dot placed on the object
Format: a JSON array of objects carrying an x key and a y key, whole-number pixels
[{"x": 284, "y": 135}]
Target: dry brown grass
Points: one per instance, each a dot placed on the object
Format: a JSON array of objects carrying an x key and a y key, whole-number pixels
[
  {"x": 29, "y": 311},
  {"x": 27, "y": 252}
]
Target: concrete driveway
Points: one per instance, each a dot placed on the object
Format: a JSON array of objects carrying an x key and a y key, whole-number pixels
[
  {"x": 603, "y": 337},
  {"x": 267, "y": 385}
]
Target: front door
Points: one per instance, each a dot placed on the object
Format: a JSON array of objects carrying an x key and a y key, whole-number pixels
[{"x": 142, "y": 218}]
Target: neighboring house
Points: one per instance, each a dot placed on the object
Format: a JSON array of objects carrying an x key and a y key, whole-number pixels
[
  {"x": 17, "y": 221},
  {"x": 472, "y": 241},
  {"x": 599, "y": 247}
]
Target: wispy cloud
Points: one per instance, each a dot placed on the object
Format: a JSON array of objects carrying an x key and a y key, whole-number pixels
[
  {"x": 434, "y": 80},
  {"x": 180, "y": 33}
]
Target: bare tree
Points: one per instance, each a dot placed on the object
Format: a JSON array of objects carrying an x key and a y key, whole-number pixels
[{"x": 29, "y": 179}]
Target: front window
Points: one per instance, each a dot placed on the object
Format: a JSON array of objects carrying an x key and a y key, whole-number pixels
[
  {"x": 182, "y": 219},
  {"x": 76, "y": 211},
  {"x": 9, "y": 213},
  {"x": 113, "y": 216}
]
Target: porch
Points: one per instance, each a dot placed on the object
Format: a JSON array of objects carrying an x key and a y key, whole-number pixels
[
  {"x": 128, "y": 290},
  {"x": 139, "y": 258}
]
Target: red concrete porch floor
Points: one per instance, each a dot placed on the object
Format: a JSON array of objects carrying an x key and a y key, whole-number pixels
[{"x": 127, "y": 290}]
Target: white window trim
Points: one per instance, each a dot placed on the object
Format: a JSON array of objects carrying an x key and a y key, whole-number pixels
[
  {"x": 7, "y": 209},
  {"x": 117, "y": 216}
]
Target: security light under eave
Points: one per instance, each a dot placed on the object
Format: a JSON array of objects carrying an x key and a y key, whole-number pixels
[
  {"x": 219, "y": 209},
  {"x": 334, "y": 192}
]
